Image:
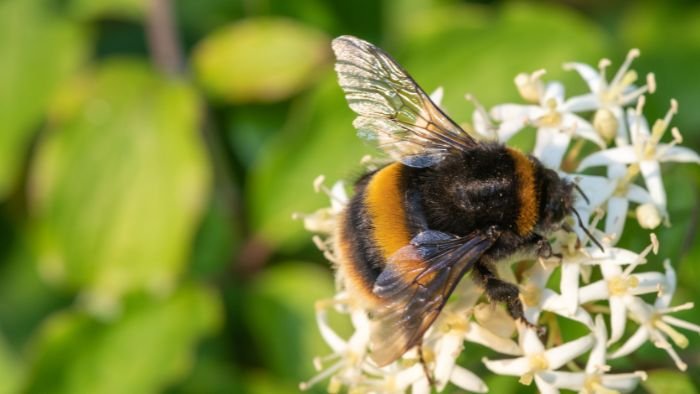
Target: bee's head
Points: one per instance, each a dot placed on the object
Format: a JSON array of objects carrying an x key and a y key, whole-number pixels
[{"x": 556, "y": 200}]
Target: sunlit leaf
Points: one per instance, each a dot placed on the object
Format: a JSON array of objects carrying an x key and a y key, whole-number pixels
[
  {"x": 669, "y": 382},
  {"x": 119, "y": 183},
  {"x": 113, "y": 8},
  {"x": 260, "y": 60},
  {"x": 37, "y": 51},
  {"x": 263, "y": 383},
  {"x": 320, "y": 140},
  {"x": 10, "y": 369},
  {"x": 149, "y": 345},
  {"x": 26, "y": 299}
]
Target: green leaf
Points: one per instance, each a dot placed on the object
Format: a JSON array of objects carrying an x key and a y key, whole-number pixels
[
  {"x": 263, "y": 383},
  {"x": 320, "y": 139},
  {"x": 119, "y": 184},
  {"x": 281, "y": 317},
  {"x": 148, "y": 346},
  {"x": 10, "y": 369},
  {"x": 89, "y": 9},
  {"x": 483, "y": 58},
  {"x": 669, "y": 40},
  {"x": 260, "y": 60},
  {"x": 37, "y": 51},
  {"x": 669, "y": 382}
]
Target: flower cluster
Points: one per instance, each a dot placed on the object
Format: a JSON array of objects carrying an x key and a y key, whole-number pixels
[{"x": 610, "y": 118}]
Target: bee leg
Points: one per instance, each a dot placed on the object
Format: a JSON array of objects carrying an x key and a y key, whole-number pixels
[
  {"x": 544, "y": 248},
  {"x": 498, "y": 290},
  {"x": 421, "y": 358}
]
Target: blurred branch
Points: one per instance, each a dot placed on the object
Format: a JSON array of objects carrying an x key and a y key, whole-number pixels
[{"x": 162, "y": 37}]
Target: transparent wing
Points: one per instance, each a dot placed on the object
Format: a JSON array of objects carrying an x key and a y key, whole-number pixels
[
  {"x": 393, "y": 110},
  {"x": 417, "y": 282}
]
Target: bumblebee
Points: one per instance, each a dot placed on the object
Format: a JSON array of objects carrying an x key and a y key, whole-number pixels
[{"x": 447, "y": 206}]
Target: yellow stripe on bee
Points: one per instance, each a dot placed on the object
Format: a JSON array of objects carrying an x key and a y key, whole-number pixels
[
  {"x": 527, "y": 193},
  {"x": 385, "y": 204},
  {"x": 386, "y": 208}
]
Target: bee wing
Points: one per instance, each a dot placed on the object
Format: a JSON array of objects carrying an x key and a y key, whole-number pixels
[
  {"x": 417, "y": 282},
  {"x": 393, "y": 110}
]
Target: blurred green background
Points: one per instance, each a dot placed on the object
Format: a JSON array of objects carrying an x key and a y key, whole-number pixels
[{"x": 149, "y": 170}]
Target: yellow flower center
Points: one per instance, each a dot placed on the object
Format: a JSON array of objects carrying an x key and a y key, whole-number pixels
[
  {"x": 538, "y": 362},
  {"x": 531, "y": 295},
  {"x": 593, "y": 385},
  {"x": 551, "y": 118},
  {"x": 616, "y": 91},
  {"x": 619, "y": 285}
]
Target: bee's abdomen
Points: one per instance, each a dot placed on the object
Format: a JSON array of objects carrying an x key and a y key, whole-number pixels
[{"x": 375, "y": 225}]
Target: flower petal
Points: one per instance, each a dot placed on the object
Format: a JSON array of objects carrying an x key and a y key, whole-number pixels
[
  {"x": 678, "y": 154},
  {"x": 512, "y": 367},
  {"x": 652, "y": 177},
  {"x": 596, "y": 360},
  {"x": 529, "y": 341},
  {"x": 332, "y": 339},
  {"x": 467, "y": 380},
  {"x": 562, "y": 354},
  {"x": 543, "y": 385},
  {"x": 593, "y": 292},
  {"x": 408, "y": 377},
  {"x": 553, "y": 90},
  {"x": 421, "y": 386},
  {"x": 550, "y": 146},
  {"x": 664, "y": 299},
  {"x": 570, "y": 274},
  {"x": 620, "y": 155},
  {"x": 437, "y": 95},
  {"x": 582, "y": 128},
  {"x": 638, "y": 194},
  {"x": 616, "y": 217},
  {"x": 632, "y": 344},
  {"x": 639, "y": 127},
  {"x": 449, "y": 348},
  {"x": 618, "y": 318},
  {"x": 649, "y": 282},
  {"x": 583, "y": 103},
  {"x": 622, "y": 382},
  {"x": 482, "y": 336},
  {"x": 564, "y": 380}
]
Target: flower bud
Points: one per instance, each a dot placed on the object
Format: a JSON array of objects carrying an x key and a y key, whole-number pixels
[
  {"x": 605, "y": 123},
  {"x": 648, "y": 216}
]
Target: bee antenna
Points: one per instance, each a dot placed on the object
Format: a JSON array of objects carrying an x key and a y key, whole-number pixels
[
  {"x": 585, "y": 197},
  {"x": 588, "y": 233}
]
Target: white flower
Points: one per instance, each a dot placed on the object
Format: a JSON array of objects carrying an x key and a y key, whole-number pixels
[
  {"x": 538, "y": 362},
  {"x": 646, "y": 152},
  {"x": 655, "y": 323},
  {"x": 347, "y": 357},
  {"x": 608, "y": 99},
  {"x": 569, "y": 304},
  {"x": 469, "y": 319},
  {"x": 555, "y": 123},
  {"x": 595, "y": 379},
  {"x": 619, "y": 287}
]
